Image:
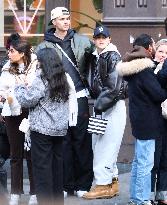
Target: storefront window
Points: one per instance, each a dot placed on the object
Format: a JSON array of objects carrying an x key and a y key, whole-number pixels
[
  {"x": 27, "y": 17},
  {"x": 83, "y": 20}
]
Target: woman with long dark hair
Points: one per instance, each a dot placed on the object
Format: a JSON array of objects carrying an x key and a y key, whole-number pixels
[
  {"x": 47, "y": 99},
  {"x": 20, "y": 66}
]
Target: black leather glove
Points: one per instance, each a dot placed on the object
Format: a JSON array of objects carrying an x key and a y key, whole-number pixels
[{"x": 97, "y": 112}]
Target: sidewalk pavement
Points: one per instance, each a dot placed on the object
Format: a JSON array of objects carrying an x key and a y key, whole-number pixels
[{"x": 122, "y": 199}]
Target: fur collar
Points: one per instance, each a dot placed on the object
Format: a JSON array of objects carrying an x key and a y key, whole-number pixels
[{"x": 134, "y": 66}]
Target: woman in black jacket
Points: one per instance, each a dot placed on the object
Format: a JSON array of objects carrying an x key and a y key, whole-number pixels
[{"x": 105, "y": 85}]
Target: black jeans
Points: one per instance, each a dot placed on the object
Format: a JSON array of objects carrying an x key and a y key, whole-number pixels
[
  {"x": 47, "y": 161},
  {"x": 17, "y": 153},
  {"x": 160, "y": 166},
  {"x": 78, "y": 154}
]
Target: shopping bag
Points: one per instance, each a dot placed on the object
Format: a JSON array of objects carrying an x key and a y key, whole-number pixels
[{"x": 97, "y": 125}]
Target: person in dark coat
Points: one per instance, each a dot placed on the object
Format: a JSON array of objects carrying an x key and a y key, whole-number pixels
[
  {"x": 159, "y": 171},
  {"x": 145, "y": 97}
]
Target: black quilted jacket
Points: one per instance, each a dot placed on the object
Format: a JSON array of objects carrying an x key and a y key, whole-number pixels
[{"x": 103, "y": 79}]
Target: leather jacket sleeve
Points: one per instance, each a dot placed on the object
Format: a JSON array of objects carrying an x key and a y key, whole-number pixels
[{"x": 112, "y": 84}]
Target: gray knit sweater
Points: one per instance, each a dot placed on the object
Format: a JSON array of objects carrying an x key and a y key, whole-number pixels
[{"x": 46, "y": 116}]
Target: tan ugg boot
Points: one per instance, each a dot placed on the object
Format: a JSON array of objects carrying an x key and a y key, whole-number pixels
[
  {"x": 115, "y": 185},
  {"x": 100, "y": 192}
]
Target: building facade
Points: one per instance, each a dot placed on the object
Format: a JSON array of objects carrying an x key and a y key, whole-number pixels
[{"x": 125, "y": 18}]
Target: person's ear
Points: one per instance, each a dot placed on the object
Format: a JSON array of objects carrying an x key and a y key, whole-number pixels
[
  {"x": 22, "y": 55},
  {"x": 54, "y": 21},
  {"x": 150, "y": 49}
]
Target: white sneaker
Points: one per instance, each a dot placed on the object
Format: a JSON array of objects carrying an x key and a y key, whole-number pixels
[
  {"x": 81, "y": 193},
  {"x": 14, "y": 199},
  {"x": 33, "y": 200}
]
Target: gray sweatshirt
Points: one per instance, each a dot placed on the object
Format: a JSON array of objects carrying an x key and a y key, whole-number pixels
[{"x": 46, "y": 116}]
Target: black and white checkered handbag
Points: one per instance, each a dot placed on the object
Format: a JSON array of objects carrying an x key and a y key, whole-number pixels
[{"x": 97, "y": 125}]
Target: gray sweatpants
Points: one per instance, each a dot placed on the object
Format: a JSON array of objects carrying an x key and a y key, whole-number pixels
[{"x": 106, "y": 147}]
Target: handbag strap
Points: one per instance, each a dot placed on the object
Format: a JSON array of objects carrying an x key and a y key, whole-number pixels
[
  {"x": 41, "y": 106},
  {"x": 69, "y": 59},
  {"x": 66, "y": 55},
  {"x": 94, "y": 114}
]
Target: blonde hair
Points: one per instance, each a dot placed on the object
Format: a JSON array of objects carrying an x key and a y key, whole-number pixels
[{"x": 163, "y": 41}]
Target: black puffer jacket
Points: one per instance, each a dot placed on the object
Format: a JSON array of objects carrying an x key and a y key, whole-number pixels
[{"x": 103, "y": 79}]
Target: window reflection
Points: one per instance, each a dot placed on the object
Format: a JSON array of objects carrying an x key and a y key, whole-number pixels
[
  {"x": 25, "y": 17},
  {"x": 19, "y": 4}
]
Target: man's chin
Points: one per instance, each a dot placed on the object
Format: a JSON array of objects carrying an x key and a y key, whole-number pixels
[{"x": 66, "y": 28}]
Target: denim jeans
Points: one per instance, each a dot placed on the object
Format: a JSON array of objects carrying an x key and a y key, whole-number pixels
[
  {"x": 140, "y": 185},
  {"x": 160, "y": 169}
]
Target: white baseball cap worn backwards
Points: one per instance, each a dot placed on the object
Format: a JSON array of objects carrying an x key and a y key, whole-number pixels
[{"x": 57, "y": 12}]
